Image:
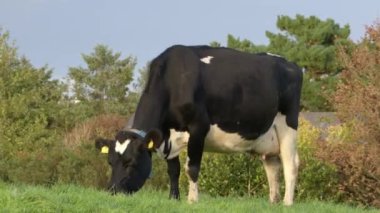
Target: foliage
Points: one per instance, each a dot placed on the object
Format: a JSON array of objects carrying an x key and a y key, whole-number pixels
[
  {"x": 357, "y": 99},
  {"x": 356, "y": 164},
  {"x": 104, "y": 82},
  {"x": 105, "y": 125},
  {"x": 73, "y": 112},
  {"x": 159, "y": 179},
  {"x": 83, "y": 166},
  {"x": 232, "y": 174},
  {"x": 358, "y": 171},
  {"x": 80, "y": 162},
  {"x": 317, "y": 179},
  {"x": 315, "y": 93},
  {"x": 340, "y": 133},
  {"x": 28, "y": 116},
  {"x": 310, "y": 42},
  {"x": 244, "y": 45},
  {"x": 142, "y": 78}
]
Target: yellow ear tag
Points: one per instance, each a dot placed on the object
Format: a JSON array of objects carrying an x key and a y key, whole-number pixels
[
  {"x": 150, "y": 145},
  {"x": 104, "y": 150}
]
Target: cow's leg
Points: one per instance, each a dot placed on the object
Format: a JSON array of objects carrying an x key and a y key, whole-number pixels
[
  {"x": 193, "y": 162},
  {"x": 174, "y": 172},
  {"x": 272, "y": 166},
  {"x": 290, "y": 161},
  {"x": 193, "y": 185}
]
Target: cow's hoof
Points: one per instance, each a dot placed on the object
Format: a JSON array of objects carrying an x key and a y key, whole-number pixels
[
  {"x": 275, "y": 200},
  {"x": 288, "y": 202},
  {"x": 192, "y": 199}
]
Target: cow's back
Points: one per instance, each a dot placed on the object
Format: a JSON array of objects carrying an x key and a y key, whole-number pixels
[{"x": 241, "y": 92}]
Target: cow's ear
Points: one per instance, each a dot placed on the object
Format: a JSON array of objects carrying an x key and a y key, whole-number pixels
[
  {"x": 153, "y": 139},
  {"x": 102, "y": 145}
]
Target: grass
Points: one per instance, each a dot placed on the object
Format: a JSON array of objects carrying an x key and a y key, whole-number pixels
[{"x": 69, "y": 198}]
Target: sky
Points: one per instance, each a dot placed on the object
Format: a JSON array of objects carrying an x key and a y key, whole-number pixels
[{"x": 57, "y": 32}]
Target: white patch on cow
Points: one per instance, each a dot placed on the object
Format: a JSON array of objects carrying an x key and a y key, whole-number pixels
[
  {"x": 193, "y": 192},
  {"x": 272, "y": 54},
  {"x": 120, "y": 148},
  {"x": 207, "y": 59},
  {"x": 177, "y": 142},
  {"x": 192, "y": 197},
  {"x": 218, "y": 140}
]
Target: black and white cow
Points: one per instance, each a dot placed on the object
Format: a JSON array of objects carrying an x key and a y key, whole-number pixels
[{"x": 211, "y": 99}]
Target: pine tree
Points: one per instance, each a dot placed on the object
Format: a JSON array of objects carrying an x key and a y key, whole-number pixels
[{"x": 310, "y": 42}]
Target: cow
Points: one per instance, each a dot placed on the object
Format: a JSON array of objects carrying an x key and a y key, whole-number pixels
[{"x": 211, "y": 99}]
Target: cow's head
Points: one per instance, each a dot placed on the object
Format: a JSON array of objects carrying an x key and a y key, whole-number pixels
[{"x": 129, "y": 155}]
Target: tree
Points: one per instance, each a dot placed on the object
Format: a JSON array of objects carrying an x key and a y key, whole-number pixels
[
  {"x": 244, "y": 45},
  {"x": 310, "y": 42},
  {"x": 104, "y": 82},
  {"x": 142, "y": 78},
  {"x": 28, "y": 111}
]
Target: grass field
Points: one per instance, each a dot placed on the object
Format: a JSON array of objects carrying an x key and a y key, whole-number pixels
[{"x": 68, "y": 198}]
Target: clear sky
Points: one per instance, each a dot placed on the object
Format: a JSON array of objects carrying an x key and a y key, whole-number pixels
[{"x": 56, "y": 32}]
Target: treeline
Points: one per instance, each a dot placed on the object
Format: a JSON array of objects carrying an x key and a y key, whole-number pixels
[{"x": 47, "y": 127}]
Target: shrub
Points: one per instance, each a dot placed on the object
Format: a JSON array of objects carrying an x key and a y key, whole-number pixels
[
  {"x": 105, "y": 125},
  {"x": 339, "y": 133},
  {"x": 34, "y": 167},
  {"x": 316, "y": 179},
  {"x": 28, "y": 117},
  {"x": 232, "y": 174},
  {"x": 356, "y": 155},
  {"x": 315, "y": 92},
  {"x": 81, "y": 163},
  {"x": 357, "y": 98},
  {"x": 357, "y": 166},
  {"x": 84, "y": 166},
  {"x": 358, "y": 171},
  {"x": 159, "y": 178}
]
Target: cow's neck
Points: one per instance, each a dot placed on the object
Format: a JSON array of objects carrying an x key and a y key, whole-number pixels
[{"x": 149, "y": 112}]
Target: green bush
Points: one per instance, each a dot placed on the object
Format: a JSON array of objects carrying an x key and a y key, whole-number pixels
[
  {"x": 33, "y": 167},
  {"x": 84, "y": 166},
  {"x": 317, "y": 179},
  {"x": 315, "y": 93},
  {"x": 159, "y": 177},
  {"x": 232, "y": 174},
  {"x": 28, "y": 117},
  {"x": 80, "y": 162}
]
